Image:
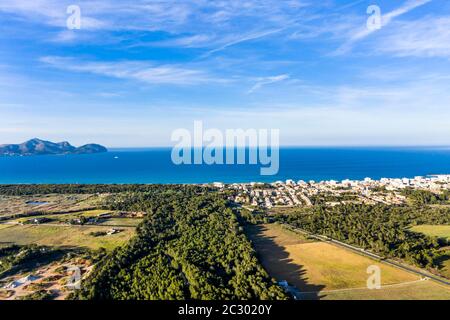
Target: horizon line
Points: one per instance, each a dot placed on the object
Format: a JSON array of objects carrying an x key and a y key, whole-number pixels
[{"x": 297, "y": 146}]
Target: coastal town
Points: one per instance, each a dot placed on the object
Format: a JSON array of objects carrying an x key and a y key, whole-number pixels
[{"x": 292, "y": 193}]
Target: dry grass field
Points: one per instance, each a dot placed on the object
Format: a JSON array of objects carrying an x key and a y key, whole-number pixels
[
  {"x": 64, "y": 217},
  {"x": 63, "y": 236},
  {"x": 337, "y": 268},
  {"x": 4, "y": 226},
  {"x": 423, "y": 290},
  {"x": 130, "y": 222},
  {"x": 318, "y": 268}
]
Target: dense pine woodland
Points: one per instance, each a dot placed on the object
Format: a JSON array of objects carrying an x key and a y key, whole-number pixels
[
  {"x": 42, "y": 189},
  {"x": 422, "y": 197},
  {"x": 190, "y": 246}
]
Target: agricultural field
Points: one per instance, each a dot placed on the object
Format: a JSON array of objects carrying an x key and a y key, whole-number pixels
[
  {"x": 438, "y": 231},
  {"x": 283, "y": 236},
  {"x": 104, "y": 217},
  {"x": 18, "y": 205},
  {"x": 64, "y": 217},
  {"x": 73, "y": 224},
  {"x": 119, "y": 222},
  {"x": 4, "y": 226},
  {"x": 317, "y": 269},
  {"x": 64, "y": 236},
  {"x": 421, "y": 290},
  {"x": 70, "y": 225}
]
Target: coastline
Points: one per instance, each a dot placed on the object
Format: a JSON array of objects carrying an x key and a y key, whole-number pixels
[{"x": 441, "y": 177}]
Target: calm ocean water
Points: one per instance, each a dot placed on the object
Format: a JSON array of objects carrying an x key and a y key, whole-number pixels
[{"x": 155, "y": 166}]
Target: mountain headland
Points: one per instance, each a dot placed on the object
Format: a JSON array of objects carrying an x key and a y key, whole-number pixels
[{"x": 41, "y": 147}]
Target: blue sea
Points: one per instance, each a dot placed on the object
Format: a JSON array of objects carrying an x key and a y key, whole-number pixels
[{"x": 155, "y": 166}]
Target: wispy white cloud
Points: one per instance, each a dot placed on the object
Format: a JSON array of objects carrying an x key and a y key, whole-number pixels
[
  {"x": 428, "y": 37},
  {"x": 191, "y": 41},
  {"x": 220, "y": 42},
  {"x": 363, "y": 32},
  {"x": 51, "y": 12},
  {"x": 245, "y": 38},
  {"x": 135, "y": 70},
  {"x": 184, "y": 22},
  {"x": 266, "y": 81},
  {"x": 168, "y": 15}
]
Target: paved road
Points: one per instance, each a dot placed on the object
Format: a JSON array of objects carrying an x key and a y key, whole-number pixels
[{"x": 371, "y": 255}]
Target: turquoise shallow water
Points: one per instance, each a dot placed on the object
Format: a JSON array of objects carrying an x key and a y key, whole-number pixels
[{"x": 155, "y": 166}]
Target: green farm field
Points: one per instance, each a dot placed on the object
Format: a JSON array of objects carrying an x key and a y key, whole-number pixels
[{"x": 439, "y": 231}]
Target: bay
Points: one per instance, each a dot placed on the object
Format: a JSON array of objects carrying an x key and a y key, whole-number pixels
[{"x": 154, "y": 165}]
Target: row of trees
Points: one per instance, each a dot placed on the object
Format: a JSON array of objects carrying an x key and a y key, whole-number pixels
[
  {"x": 189, "y": 246},
  {"x": 34, "y": 189}
]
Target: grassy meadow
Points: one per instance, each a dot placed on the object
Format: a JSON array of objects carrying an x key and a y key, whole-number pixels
[
  {"x": 422, "y": 290},
  {"x": 316, "y": 268},
  {"x": 63, "y": 236},
  {"x": 439, "y": 231}
]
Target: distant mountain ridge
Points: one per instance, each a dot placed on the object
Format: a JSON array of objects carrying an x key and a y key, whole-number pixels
[{"x": 41, "y": 147}]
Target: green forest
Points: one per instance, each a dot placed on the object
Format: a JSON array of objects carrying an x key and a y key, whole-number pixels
[
  {"x": 190, "y": 246},
  {"x": 424, "y": 197},
  {"x": 41, "y": 189}
]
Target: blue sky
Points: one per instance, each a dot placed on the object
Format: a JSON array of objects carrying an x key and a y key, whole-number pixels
[{"x": 137, "y": 70}]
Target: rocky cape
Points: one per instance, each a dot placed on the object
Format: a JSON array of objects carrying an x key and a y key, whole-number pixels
[{"x": 41, "y": 147}]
